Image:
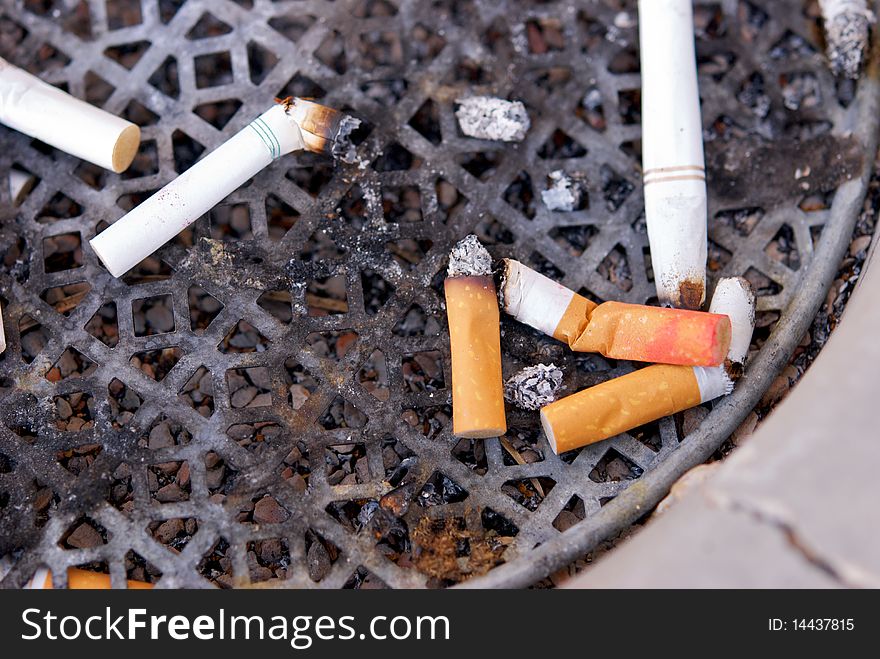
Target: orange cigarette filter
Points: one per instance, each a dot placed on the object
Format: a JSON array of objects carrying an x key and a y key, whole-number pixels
[
  {"x": 474, "y": 342},
  {"x": 615, "y": 329},
  {"x": 475, "y": 345},
  {"x": 627, "y": 402},
  {"x": 78, "y": 579}
]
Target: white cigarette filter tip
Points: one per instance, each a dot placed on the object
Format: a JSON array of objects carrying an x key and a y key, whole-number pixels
[
  {"x": 532, "y": 298},
  {"x": 180, "y": 203},
  {"x": 734, "y": 298},
  {"x": 40, "y": 110}
]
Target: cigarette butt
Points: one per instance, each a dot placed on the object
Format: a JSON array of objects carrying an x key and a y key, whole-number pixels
[
  {"x": 614, "y": 329},
  {"x": 78, "y": 579},
  {"x": 20, "y": 185},
  {"x": 627, "y": 402},
  {"x": 475, "y": 345},
  {"x": 40, "y": 110},
  {"x": 2, "y": 334},
  {"x": 847, "y": 25},
  {"x": 674, "y": 172},
  {"x": 180, "y": 203},
  {"x": 734, "y": 298}
]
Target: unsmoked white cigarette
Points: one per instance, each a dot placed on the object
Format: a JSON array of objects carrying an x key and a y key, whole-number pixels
[
  {"x": 614, "y": 329},
  {"x": 475, "y": 343},
  {"x": 674, "y": 172},
  {"x": 290, "y": 125},
  {"x": 627, "y": 402},
  {"x": 735, "y": 299},
  {"x": 847, "y": 25},
  {"x": 40, "y": 110}
]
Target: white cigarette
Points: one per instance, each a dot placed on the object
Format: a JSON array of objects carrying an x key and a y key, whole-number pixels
[
  {"x": 847, "y": 26},
  {"x": 734, "y": 298},
  {"x": 674, "y": 172},
  {"x": 40, "y": 110},
  {"x": 20, "y": 185},
  {"x": 2, "y": 334},
  {"x": 286, "y": 127}
]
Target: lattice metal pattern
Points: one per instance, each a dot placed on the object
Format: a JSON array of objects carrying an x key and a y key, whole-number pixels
[{"x": 233, "y": 410}]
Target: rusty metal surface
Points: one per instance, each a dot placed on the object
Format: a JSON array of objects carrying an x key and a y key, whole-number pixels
[{"x": 385, "y": 225}]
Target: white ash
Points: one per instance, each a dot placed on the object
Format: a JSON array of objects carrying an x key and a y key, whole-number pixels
[
  {"x": 566, "y": 192},
  {"x": 489, "y": 118},
  {"x": 343, "y": 148},
  {"x": 847, "y": 28},
  {"x": 534, "y": 386},
  {"x": 468, "y": 258}
]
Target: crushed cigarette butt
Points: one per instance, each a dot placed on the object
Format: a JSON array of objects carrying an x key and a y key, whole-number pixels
[
  {"x": 489, "y": 118},
  {"x": 847, "y": 26},
  {"x": 566, "y": 192},
  {"x": 469, "y": 258},
  {"x": 534, "y": 386}
]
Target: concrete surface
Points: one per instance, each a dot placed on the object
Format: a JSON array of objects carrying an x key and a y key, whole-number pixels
[{"x": 799, "y": 504}]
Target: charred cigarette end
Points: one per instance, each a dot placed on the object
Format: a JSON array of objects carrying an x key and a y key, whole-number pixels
[
  {"x": 691, "y": 294},
  {"x": 474, "y": 343},
  {"x": 624, "y": 403},
  {"x": 847, "y": 26},
  {"x": 324, "y": 129},
  {"x": 468, "y": 258},
  {"x": 534, "y": 386},
  {"x": 735, "y": 298},
  {"x": 489, "y": 118},
  {"x": 566, "y": 192},
  {"x": 125, "y": 148}
]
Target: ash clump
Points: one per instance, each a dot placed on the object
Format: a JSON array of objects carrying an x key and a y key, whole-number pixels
[
  {"x": 489, "y": 118},
  {"x": 847, "y": 30},
  {"x": 468, "y": 258},
  {"x": 534, "y": 386},
  {"x": 343, "y": 147},
  {"x": 566, "y": 192}
]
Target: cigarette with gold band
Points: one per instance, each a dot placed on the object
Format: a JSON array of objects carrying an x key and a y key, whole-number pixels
[
  {"x": 475, "y": 342},
  {"x": 290, "y": 125},
  {"x": 629, "y": 401},
  {"x": 673, "y": 166},
  {"x": 38, "y": 109},
  {"x": 613, "y": 329}
]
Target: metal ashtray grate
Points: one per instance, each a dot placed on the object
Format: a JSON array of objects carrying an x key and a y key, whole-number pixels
[{"x": 268, "y": 398}]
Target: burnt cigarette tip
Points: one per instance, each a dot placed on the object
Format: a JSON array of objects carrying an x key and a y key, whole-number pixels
[
  {"x": 534, "y": 386},
  {"x": 325, "y": 130},
  {"x": 468, "y": 258}
]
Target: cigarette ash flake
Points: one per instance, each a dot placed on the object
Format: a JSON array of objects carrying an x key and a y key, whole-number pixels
[
  {"x": 489, "y": 118},
  {"x": 468, "y": 258},
  {"x": 565, "y": 192},
  {"x": 343, "y": 147},
  {"x": 534, "y": 386}
]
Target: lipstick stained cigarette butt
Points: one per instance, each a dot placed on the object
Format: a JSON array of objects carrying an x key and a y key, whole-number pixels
[
  {"x": 734, "y": 298},
  {"x": 674, "y": 171},
  {"x": 627, "y": 402},
  {"x": 475, "y": 343},
  {"x": 78, "y": 579},
  {"x": 614, "y": 329},
  {"x": 40, "y": 110}
]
